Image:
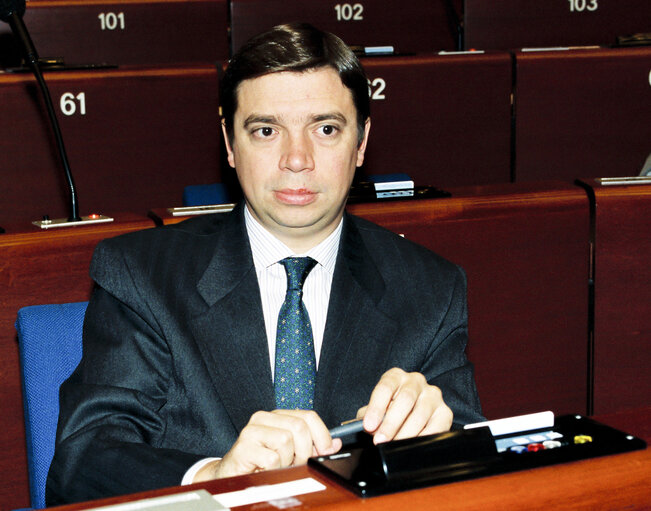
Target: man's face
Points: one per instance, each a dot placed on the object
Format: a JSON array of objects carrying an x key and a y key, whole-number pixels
[{"x": 295, "y": 151}]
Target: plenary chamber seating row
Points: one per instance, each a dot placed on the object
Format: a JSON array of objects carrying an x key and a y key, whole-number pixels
[
  {"x": 140, "y": 31},
  {"x": 174, "y": 31},
  {"x": 136, "y": 136},
  {"x": 530, "y": 251}
]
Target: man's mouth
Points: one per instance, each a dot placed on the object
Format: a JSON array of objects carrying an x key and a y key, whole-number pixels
[{"x": 295, "y": 197}]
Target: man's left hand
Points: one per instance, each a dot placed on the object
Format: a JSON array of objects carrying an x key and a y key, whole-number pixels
[{"x": 404, "y": 405}]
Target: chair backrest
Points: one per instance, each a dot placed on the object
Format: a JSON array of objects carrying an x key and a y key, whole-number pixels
[
  {"x": 49, "y": 341},
  {"x": 205, "y": 195}
]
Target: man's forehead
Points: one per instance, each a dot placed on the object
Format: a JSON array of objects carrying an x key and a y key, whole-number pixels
[{"x": 292, "y": 89}]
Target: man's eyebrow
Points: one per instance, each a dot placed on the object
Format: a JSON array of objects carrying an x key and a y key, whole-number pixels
[
  {"x": 262, "y": 119},
  {"x": 330, "y": 116},
  {"x": 272, "y": 119}
]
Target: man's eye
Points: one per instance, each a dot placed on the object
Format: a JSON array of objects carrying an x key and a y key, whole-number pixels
[
  {"x": 264, "y": 132},
  {"x": 327, "y": 129}
]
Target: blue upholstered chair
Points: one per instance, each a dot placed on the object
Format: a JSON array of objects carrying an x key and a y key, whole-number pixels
[
  {"x": 49, "y": 342},
  {"x": 205, "y": 195}
]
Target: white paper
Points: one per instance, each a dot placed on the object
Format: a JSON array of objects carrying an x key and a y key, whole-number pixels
[
  {"x": 269, "y": 492},
  {"x": 517, "y": 424}
]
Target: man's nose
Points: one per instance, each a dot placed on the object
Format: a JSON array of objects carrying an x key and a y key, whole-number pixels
[{"x": 297, "y": 154}]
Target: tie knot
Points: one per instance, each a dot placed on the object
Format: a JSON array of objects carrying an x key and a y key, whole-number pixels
[{"x": 297, "y": 269}]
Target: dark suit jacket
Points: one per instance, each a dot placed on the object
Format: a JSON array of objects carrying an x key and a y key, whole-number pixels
[{"x": 175, "y": 352}]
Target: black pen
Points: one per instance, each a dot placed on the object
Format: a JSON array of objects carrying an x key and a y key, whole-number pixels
[{"x": 347, "y": 428}]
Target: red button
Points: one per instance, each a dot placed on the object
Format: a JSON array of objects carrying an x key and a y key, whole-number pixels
[{"x": 535, "y": 447}]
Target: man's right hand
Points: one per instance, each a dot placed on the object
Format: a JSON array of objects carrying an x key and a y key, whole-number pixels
[{"x": 282, "y": 438}]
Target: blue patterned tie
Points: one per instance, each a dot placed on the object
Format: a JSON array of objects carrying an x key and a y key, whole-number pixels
[{"x": 295, "y": 360}]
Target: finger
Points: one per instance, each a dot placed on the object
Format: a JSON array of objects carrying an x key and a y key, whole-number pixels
[
  {"x": 296, "y": 426},
  {"x": 440, "y": 421},
  {"x": 311, "y": 435},
  {"x": 361, "y": 412},
  {"x": 416, "y": 420},
  {"x": 380, "y": 399},
  {"x": 400, "y": 408},
  {"x": 257, "y": 448},
  {"x": 270, "y": 436},
  {"x": 293, "y": 423}
]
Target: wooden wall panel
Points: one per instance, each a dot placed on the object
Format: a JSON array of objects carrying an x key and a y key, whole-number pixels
[
  {"x": 445, "y": 120},
  {"x": 507, "y": 24},
  {"x": 582, "y": 113},
  {"x": 410, "y": 26},
  {"x": 134, "y": 137},
  {"x": 142, "y": 32}
]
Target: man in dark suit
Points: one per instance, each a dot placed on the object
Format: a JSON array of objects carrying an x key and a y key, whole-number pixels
[{"x": 180, "y": 334}]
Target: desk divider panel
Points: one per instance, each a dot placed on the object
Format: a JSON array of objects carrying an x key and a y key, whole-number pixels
[
  {"x": 410, "y": 26},
  {"x": 582, "y": 113},
  {"x": 622, "y": 296},
  {"x": 134, "y": 137},
  {"x": 38, "y": 267},
  {"x": 142, "y": 32},
  {"x": 445, "y": 120},
  {"x": 508, "y": 24},
  {"x": 525, "y": 250}
]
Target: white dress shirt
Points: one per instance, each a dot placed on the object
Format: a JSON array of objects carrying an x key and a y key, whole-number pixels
[{"x": 267, "y": 252}]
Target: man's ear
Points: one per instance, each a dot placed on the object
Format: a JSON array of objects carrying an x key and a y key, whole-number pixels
[
  {"x": 362, "y": 147},
  {"x": 229, "y": 149}
]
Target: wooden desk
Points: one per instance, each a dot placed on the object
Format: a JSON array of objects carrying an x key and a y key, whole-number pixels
[
  {"x": 38, "y": 267},
  {"x": 613, "y": 482}
]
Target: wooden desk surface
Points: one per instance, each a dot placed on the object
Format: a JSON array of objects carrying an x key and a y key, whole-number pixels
[{"x": 613, "y": 482}]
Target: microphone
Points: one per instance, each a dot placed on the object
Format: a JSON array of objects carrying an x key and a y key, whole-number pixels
[
  {"x": 8, "y": 7},
  {"x": 12, "y": 11}
]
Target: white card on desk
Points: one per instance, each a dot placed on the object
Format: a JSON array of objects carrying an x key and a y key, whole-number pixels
[
  {"x": 510, "y": 425},
  {"x": 268, "y": 493},
  {"x": 198, "y": 500}
]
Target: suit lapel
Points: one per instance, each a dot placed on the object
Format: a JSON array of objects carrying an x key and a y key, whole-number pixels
[
  {"x": 353, "y": 351},
  {"x": 230, "y": 331}
]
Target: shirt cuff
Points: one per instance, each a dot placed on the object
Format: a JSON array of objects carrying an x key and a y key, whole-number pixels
[{"x": 188, "y": 478}]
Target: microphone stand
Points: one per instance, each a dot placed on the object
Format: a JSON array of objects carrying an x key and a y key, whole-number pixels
[{"x": 31, "y": 58}]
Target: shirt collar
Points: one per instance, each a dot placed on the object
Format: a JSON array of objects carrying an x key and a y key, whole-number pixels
[{"x": 268, "y": 250}]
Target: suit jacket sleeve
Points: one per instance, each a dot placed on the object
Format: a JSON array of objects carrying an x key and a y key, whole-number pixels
[
  {"x": 110, "y": 437},
  {"x": 447, "y": 366}
]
